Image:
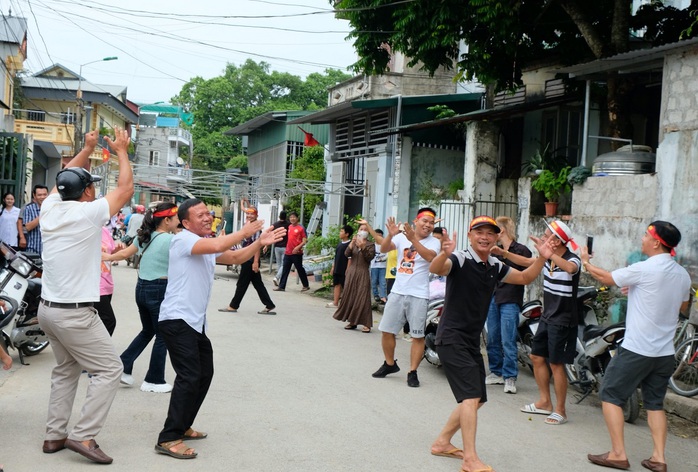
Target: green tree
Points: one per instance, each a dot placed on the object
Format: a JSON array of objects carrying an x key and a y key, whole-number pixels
[
  {"x": 310, "y": 166},
  {"x": 503, "y": 38},
  {"x": 238, "y": 95}
]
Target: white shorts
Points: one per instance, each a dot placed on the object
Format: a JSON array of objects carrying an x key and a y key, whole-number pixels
[{"x": 401, "y": 308}]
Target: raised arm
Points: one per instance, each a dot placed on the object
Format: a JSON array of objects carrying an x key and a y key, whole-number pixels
[
  {"x": 393, "y": 229},
  {"x": 123, "y": 192},
  {"x": 441, "y": 264}
]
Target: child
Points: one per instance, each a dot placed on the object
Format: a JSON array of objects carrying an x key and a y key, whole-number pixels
[{"x": 340, "y": 264}]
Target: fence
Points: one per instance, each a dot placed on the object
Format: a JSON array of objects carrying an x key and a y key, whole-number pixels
[{"x": 456, "y": 215}]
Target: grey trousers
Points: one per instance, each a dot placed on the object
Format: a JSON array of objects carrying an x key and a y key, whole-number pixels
[
  {"x": 79, "y": 342},
  {"x": 279, "y": 259}
]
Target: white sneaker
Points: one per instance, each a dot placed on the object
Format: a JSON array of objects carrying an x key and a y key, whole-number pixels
[
  {"x": 494, "y": 379},
  {"x": 127, "y": 379},
  {"x": 331, "y": 305},
  {"x": 510, "y": 385},
  {"x": 156, "y": 388},
  {"x": 276, "y": 281}
]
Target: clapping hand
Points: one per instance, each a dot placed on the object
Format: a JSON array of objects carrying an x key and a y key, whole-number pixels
[
  {"x": 448, "y": 245},
  {"x": 543, "y": 247},
  {"x": 393, "y": 228}
]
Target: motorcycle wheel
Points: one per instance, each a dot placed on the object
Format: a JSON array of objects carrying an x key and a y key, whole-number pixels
[
  {"x": 684, "y": 380},
  {"x": 573, "y": 377},
  {"x": 631, "y": 409},
  {"x": 32, "y": 349}
]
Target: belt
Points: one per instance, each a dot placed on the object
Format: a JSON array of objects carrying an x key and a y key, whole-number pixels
[{"x": 67, "y": 305}]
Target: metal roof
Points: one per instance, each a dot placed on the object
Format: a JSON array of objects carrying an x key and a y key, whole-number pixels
[
  {"x": 255, "y": 123},
  {"x": 628, "y": 62},
  {"x": 13, "y": 29}
]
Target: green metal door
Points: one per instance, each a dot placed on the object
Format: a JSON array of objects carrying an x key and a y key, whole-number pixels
[{"x": 13, "y": 165}]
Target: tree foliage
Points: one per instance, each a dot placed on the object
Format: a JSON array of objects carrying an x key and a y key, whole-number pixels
[
  {"x": 310, "y": 166},
  {"x": 240, "y": 94}
]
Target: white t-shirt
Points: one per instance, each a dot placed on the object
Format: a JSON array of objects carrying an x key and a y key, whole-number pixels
[
  {"x": 71, "y": 232},
  {"x": 412, "y": 277},
  {"x": 8, "y": 226},
  {"x": 656, "y": 289},
  {"x": 189, "y": 282}
]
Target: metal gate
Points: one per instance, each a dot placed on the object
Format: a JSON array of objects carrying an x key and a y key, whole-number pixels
[
  {"x": 456, "y": 215},
  {"x": 13, "y": 165}
]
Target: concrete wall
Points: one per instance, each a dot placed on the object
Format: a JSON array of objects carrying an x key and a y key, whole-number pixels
[
  {"x": 440, "y": 166},
  {"x": 481, "y": 151}
]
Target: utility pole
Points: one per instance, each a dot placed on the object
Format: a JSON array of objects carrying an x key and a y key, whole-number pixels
[{"x": 80, "y": 109}]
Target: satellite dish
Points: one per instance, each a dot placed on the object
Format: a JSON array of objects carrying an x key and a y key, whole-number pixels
[{"x": 180, "y": 161}]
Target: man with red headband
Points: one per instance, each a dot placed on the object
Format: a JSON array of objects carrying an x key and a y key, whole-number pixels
[
  {"x": 556, "y": 338},
  {"x": 658, "y": 288},
  {"x": 410, "y": 295}
]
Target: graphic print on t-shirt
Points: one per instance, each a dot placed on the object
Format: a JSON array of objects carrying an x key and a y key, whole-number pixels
[{"x": 406, "y": 265}]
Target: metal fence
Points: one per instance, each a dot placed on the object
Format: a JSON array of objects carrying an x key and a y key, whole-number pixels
[{"x": 456, "y": 215}]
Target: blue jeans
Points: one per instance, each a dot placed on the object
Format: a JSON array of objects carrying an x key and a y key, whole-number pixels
[
  {"x": 378, "y": 281},
  {"x": 502, "y": 325},
  {"x": 149, "y": 297}
]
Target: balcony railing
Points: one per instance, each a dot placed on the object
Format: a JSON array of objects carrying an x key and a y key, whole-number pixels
[
  {"x": 57, "y": 133},
  {"x": 179, "y": 133}
]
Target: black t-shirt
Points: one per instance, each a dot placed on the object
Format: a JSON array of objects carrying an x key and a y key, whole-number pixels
[
  {"x": 282, "y": 224},
  {"x": 560, "y": 292},
  {"x": 510, "y": 293},
  {"x": 340, "y": 258},
  {"x": 469, "y": 288}
]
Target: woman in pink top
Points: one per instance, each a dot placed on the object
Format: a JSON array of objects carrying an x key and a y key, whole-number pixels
[{"x": 106, "y": 284}]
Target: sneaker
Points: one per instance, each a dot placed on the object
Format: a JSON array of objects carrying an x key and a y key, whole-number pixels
[
  {"x": 305, "y": 289},
  {"x": 412, "y": 379},
  {"x": 331, "y": 305},
  {"x": 510, "y": 385},
  {"x": 494, "y": 379},
  {"x": 156, "y": 388},
  {"x": 276, "y": 281},
  {"x": 386, "y": 369},
  {"x": 127, "y": 379}
]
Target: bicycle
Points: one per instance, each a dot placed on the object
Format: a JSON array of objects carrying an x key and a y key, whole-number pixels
[{"x": 684, "y": 380}]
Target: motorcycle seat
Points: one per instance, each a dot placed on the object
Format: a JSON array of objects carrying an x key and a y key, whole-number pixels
[
  {"x": 597, "y": 331},
  {"x": 586, "y": 293}
]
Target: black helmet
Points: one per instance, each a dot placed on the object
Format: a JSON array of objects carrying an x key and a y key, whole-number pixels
[{"x": 72, "y": 181}]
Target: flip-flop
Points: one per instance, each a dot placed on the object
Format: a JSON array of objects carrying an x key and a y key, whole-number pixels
[
  {"x": 189, "y": 435},
  {"x": 350, "y": 326},
  {"x": 534, "y": 410},
  {"x": 227, "y": 310},
  {"x": 366, "y": 330},
  {"x": 164, "y": 448},
  {"x": 486, "y": 469},
  {"x": 266, "y": 311},
  {"x": 555, "y": 419},
  {"x": 452, "y": 453}
]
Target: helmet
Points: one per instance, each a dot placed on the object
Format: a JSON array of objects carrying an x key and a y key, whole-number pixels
[
  {"x": 72, "y": 181},
  {"x": 140, "y": 209}
]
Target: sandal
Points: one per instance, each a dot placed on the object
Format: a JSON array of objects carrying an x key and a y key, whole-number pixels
[
  {"x": 366, "y": 329},
  {"x": 193, "y": 434},
  {"x": 267, "y": 311},
  {"x": 227, "y": 309},
  {"x": 350, "y": 326},
  {"x": 181, "y": 451}
]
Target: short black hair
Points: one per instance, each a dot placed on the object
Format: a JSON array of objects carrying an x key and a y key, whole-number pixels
[
  {"x": 293, "y": 213},
  {"x": 379, "y": 231},
  {"x": 439, "y": 230},
  {"x": 348, "y": 229},
  {"x": 37, "y": 187},
  {"x": 668, "y": 232},
  {"x": 426, "y": 209},
  {"x": 183, "y": 211},
  {"x": 282, "y": 215}
]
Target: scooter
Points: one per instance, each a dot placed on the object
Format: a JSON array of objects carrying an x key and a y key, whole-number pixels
[
  {"x": 434, "y": 310},
  {"x": 20, "y": 280},
  {"x": 529, "y": 319},
  {"x": 596, "y": 346}
]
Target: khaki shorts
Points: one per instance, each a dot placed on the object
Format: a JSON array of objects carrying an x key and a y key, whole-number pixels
[{"x": 401, "y": 308}]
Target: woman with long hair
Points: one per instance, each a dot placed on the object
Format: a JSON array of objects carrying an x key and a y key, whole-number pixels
[
  {"x": 9, "y": 214},
  {"x": 153, "y": 245}
]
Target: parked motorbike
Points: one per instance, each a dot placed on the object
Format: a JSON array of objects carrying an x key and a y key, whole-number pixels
[
  {"x": 20, "y": 281},
  {"x": 434, "y": 310},
  {"x": 528, "y": 325},
  {"x": 596, "y": 346}
]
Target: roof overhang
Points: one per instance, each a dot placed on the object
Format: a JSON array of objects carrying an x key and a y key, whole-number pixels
[
  {"x": 255, "y": 123},
  {"x": 640, "y": 60}
]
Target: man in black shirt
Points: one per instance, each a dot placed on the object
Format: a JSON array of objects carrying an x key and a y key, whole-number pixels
[
  {"x": 472, "y": 277},
  {"x": 280, "y": 247}
]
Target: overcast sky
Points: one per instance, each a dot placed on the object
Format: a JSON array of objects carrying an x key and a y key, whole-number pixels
[{"x": 163, "y": 44}]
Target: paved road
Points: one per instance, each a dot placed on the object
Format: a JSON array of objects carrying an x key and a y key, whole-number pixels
[{"x": 293, "y": 392}]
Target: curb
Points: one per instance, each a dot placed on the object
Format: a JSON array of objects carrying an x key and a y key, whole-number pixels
[{"x": 685, "y": 407}]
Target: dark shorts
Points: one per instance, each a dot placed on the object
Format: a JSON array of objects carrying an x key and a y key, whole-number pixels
[
  {"x": 628, "y": 370},
  {"x": 555, "y": 343},
  {"x": 465, "y": 371},
  {"x": 338, "y": 279}
]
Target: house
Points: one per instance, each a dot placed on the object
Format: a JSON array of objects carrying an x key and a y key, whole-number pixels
[
  {"x": 272, "y": 145},
  {"x": 13, "y": 148},
  {"x": 49, "y": 113},
  {"x": 163, "y": 153}
]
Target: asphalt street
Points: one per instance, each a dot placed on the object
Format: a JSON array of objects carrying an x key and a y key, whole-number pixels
[{"x": 294, "y": 392}]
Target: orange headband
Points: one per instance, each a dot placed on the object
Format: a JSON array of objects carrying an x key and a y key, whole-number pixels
[
  {"x": 653, "y": 233},
  {"x": 165, "y": 213},
  {"x": 426, "y": 213}
]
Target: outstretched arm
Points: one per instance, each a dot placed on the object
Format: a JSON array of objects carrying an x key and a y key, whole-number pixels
[{"x": 598, "y": 273}]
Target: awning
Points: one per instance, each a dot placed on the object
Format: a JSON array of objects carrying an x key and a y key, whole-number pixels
[
  {"x": 152, "y": 185},
  {"x": 48, "y": 148}
]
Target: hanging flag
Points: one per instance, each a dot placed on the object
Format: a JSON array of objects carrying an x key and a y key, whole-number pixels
[
  {"x": 309, "y": 139},
  {"x": 105, "y": 154}
]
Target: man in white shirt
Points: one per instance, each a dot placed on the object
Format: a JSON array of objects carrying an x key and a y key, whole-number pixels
[
  {"x": 658, "y": 289},
  {"x": 182, "y": 322},
  {"x": 410, "y": 295},
  {"x": 71, "y": 228}
]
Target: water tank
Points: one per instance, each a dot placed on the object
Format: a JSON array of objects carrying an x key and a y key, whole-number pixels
[{"x": 627, "y": 160}]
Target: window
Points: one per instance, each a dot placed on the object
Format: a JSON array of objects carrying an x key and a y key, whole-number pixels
[
  {"x": 562, "y": 129},
  {"x": 36, "y": 115},
  {"x": 68, "y": 118},
  {"x": 154, "y": 158}
]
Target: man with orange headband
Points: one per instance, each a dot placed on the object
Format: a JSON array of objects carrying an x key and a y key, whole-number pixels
[
  {"x": 556, "y": 338},
  {"x": 658, "y": 288},
  {"x": 410, "y": 294}
]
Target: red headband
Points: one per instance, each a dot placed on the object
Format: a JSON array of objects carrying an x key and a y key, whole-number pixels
[
  {"x": 653, "y": 233},
  {"x": 165, "y": 213},
  {"x": 426, "y": 213}
]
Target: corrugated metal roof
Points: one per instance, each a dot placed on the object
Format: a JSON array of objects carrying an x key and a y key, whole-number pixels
[
  {"x": 13, "y": 29},
  {"x": 255, "y": 123}
]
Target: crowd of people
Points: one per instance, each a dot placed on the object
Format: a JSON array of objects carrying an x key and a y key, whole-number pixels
[{"x": 178, "y": 248}]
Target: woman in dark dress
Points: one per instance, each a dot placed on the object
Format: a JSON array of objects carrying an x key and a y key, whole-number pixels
[{"x": 355, "y": 304}]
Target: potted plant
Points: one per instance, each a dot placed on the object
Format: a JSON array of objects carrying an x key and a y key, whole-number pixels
[{"x": 552, "y": 184}]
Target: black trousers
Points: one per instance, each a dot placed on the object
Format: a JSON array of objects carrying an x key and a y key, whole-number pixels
[
  {"x": 246, "y": 276},
  {"x": 191, "y": 355},
  {"x": 295, "y": 260},
  {"x": 106, "y": 313}
]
